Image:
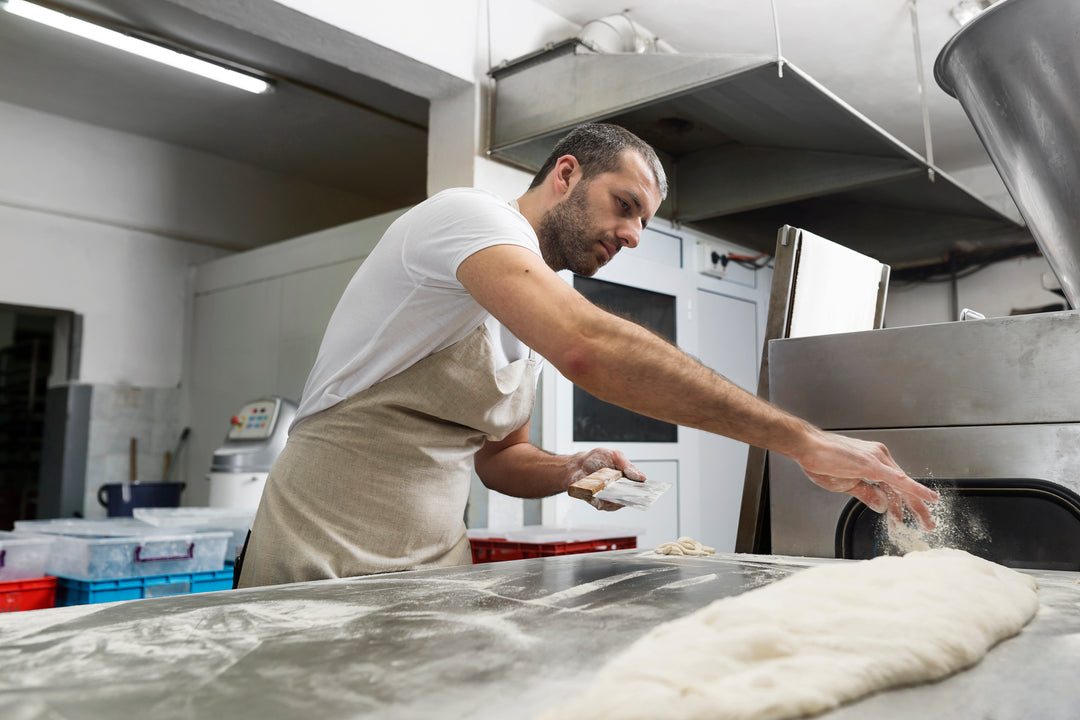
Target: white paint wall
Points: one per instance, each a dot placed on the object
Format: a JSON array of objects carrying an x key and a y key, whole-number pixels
[
  {"x": 439, "y": 33},
  {"x": 95, "y": 221},
  {"x": 63, "y": 167},
  {"x": 129, "y": 287},
  {"x": 995, "y": 291}
]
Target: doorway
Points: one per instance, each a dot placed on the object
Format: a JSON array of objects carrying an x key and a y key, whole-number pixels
[{"x": 35, "y": 352}]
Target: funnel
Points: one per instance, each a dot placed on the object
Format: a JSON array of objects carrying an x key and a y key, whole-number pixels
[{"x": 1016, "y": 71}]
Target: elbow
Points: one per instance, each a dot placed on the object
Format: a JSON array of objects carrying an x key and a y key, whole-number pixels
[{"x": 581, "y": 362}]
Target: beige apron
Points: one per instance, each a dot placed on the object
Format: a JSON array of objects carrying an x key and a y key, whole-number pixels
[{"x": 379, "y": 481}]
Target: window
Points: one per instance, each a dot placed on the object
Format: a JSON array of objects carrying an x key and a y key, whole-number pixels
[{"x": 596, "y": 420}]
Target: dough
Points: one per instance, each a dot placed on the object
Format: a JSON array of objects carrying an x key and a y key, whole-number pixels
[
  {"x": 821, "y": 637},
  {"x": 684, "y": 546}
]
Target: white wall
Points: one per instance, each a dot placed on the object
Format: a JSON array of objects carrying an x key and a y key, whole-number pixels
[
  {"x": 61, "y": 166},
  {"x": 438, "y": 33},
  {"x": 95, "y": 221},
  {"x": 128, "y": 286},
  {"x": 995, "y": 291}
]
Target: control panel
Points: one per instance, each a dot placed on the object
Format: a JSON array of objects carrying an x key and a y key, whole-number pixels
[{"x": 255, "y": 421}]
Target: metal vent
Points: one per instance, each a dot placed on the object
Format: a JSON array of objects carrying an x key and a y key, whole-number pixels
[{"x": 747, "y": 149}]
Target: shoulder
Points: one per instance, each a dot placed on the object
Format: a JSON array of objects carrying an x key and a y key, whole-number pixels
[{"x": 465, "y": 206}]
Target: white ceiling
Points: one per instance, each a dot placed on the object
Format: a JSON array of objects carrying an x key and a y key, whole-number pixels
[
  {"x": 322, "y": 123},
  {"x": 330, "y": 126}
]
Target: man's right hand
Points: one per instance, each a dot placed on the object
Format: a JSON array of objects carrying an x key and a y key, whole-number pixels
[{"x": 866, "y": 471}]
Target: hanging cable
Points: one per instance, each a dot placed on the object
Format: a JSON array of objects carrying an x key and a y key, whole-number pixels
[
  {"x": 922, "y": 89},
  {"x": 776, "y": 29}
]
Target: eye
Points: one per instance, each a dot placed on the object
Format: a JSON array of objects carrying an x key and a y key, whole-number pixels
[{"x": 625, "y": 206}]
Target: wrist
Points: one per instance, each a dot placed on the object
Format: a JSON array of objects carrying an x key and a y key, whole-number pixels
[{"x": 800, "y": 441}]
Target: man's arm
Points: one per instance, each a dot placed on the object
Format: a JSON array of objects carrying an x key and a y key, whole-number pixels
[
  {"x": 623, "y": 363},
  {"x": 515, "y": 467}
]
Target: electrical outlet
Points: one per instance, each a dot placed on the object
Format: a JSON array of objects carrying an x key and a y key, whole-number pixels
[{"x": 711, "y": 259}]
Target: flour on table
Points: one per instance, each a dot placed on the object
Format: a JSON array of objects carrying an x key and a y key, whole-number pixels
[
  {"x": 684, "y": 546},
  {"x": 816, "y": 639}
]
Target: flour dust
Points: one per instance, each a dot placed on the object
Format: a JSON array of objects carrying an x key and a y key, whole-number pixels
[{"x": 959, "y": 526}]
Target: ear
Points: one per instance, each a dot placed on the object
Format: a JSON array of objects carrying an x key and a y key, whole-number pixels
[{"x": 566, "y": 167}]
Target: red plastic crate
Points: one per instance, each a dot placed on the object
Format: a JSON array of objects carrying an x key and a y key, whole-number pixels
[
  {"x": 34, "y": 594},
  {"x": 498, "y": 549}
]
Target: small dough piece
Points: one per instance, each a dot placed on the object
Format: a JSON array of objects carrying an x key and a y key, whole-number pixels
[
  {"x": 684, "y": 546},
  {"x": 821, "y": 637}
]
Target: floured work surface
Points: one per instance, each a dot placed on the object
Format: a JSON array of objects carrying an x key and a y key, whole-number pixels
[
  {"x": 499, "y": 640},
  {"x": 815, "y": 640}
]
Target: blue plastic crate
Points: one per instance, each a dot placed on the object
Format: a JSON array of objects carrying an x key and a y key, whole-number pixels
[{"x": 82, "y": 592}]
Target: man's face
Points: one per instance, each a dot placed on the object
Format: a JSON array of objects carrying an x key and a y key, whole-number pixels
[{"x": 599, "y": 216}]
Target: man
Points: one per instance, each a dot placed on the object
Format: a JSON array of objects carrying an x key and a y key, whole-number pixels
[{"x": 428, "y": 369}]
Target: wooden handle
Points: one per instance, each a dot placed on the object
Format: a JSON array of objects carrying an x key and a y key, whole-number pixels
[{"x": 589, "y": 485}]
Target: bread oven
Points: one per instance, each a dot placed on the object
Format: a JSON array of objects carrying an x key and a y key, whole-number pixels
[{"x": 986, "y": 411}]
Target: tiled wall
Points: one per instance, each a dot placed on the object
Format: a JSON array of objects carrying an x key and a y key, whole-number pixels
[{"x": 119, "y": 413}]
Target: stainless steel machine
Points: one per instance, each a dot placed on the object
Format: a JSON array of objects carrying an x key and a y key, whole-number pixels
[
  {"x": 986, "y": 410},
  {"x": 989, "y": 410},
  {"x": 256, "y": 436}
]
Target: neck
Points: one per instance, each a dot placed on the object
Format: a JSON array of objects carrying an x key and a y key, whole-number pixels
[{"x": 533, "y": 207}]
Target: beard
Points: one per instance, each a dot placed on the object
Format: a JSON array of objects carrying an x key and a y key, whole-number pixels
[{"x": 567, "y": 236}]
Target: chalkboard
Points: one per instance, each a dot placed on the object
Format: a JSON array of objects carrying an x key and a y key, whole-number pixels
[{"x": 599, "y": 421}]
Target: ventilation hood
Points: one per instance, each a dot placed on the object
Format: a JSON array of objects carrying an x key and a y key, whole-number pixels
[{"x": 750, "y": 143}]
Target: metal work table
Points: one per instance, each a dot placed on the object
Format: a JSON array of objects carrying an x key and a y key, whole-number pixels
[{"x": 502, "y": 640}]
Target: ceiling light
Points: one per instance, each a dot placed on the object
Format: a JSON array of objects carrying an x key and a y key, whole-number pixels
[{"x": 137, "y": 46}]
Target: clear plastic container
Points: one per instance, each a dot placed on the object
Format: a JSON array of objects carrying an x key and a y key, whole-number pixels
[
  {"x": 23, "y": 556},
  {"x": 123, "y": 548},
  {"x": 238, "y": 522}
]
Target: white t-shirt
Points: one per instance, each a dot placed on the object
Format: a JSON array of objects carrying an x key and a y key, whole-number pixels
[{"x": 405, "y": 301}]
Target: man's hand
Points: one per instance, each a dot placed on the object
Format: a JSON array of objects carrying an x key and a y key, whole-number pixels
[
  {"x": 868, "y": 472},
  {"x": 587, "y": 463}
]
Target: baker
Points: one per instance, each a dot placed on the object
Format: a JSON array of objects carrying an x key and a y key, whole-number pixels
[{"x": 429, "y": 364}]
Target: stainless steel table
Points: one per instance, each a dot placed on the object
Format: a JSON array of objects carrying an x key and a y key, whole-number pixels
[{"x": 503, "y": 640}]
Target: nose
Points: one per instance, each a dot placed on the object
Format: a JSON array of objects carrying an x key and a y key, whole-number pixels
[{"x": 630, "y": 233}]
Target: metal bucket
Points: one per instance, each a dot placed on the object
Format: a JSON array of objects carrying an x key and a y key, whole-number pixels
[{"x": 1016, "y": 71}]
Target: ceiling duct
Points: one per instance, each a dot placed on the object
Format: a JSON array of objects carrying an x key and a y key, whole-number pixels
[
  {"x": 620, "y": 34},
  {"x": 747, "y": 149}
]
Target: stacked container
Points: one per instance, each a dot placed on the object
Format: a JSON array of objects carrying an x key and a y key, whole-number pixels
[
  {"x": 121, "y": 559},
  {"x": 23, "y": 582}
]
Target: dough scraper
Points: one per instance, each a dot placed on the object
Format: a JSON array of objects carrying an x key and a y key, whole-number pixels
[{"x": 609, "y": 484}]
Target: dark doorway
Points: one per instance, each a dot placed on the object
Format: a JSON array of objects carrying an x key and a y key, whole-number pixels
[{"x": 29, "y": 357}]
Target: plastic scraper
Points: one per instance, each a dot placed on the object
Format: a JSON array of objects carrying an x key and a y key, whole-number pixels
[{"x": 609, "y": 484}]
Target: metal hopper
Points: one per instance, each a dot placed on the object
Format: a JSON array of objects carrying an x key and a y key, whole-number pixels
[{"x": 1016, "y": 71}]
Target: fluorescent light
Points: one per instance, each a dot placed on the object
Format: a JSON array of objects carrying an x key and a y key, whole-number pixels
[{"x": 142, "y": 48}]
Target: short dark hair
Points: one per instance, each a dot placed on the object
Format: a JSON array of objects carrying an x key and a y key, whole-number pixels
[{"x": 598, "y": 148}]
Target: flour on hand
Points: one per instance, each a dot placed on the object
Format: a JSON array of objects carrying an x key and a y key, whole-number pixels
[
  {"x": 821, "y": 637},
  {"x": 684, "y": 546}
]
